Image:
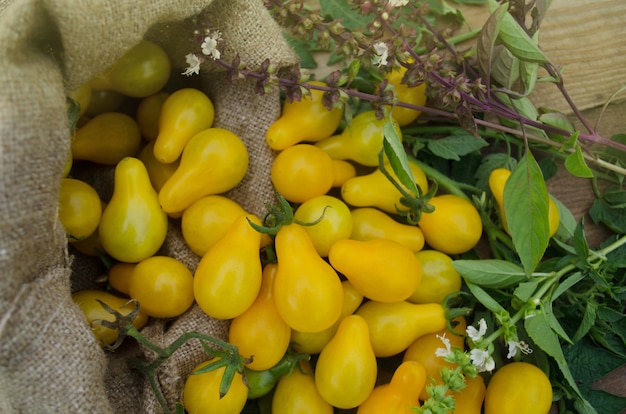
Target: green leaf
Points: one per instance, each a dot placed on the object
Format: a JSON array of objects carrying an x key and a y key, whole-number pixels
[
  {"x": 487, "y": 39},
  {"x": 526, "y": 209},
  {"x": 529, "y": 70},
  {"x": 392, "y": 146},
  {"x": 554, "y": 323},
  {"x": 567, "y": 224},
  {"x": 528, "y": 76},
  {"x": 442, "y": 8},
  {"x": 455, "y": 146},
  {"x": 566, "y": 284},
  {"x": 518, "y": 42},
  {"x": 541, "y": 9},
  {"x": 525, "y": 290},
  {"x": 615, "y": 197},
  {"x": 483, "y": 297},
  {"x": 576, "y": 165},
  {"x": 489, "y": 163},
  {"x": 505, "y": 68},
  {"x": 589, "y": 319},
  {"x": 344, "y": 10},
  {"x": 614, "y": 218},
  {"x": 490, "y": 273},
  {"x": 303, "y": 50},
  {"x": 524, "y": 106},
  {"x": 580, "y": 241},
  {"x": 559, "y": 120},
  {"x": 538, "y": 328},
  {"x": 594, "y": 368}
]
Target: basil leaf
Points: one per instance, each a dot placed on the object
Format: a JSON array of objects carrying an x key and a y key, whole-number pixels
[
  {"x": 526, "y": 209},
  {"x": 344, "y": 11},
  {"x": 487, "y": 40},
  {"x": 454, "y": 147},
  {"x": 545, "y": 338},
  {"x": 490, "y": 273},
  {"x": 518, "y": 42},
  {"x": 576, "y": 165},
  {"x": 392, "y": 146},
  {"x": 484, "y": 298}
]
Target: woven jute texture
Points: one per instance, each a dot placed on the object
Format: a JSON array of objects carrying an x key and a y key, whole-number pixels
[{"x": 49, "y": 360}]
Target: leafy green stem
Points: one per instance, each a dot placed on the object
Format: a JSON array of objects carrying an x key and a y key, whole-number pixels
[
  {"x": 442, "y": 180},
  {"x": 228, "y": 354}
]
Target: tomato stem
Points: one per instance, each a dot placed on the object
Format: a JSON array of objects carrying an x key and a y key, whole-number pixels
[{"x": 227, "y": 353}]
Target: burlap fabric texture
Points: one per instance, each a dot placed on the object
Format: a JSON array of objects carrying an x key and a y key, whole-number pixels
[{"x": 49, "y": 360}]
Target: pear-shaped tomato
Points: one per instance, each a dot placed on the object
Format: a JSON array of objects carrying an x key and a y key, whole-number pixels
[
  {"x": 228, "y": 277},
  {"x": 375, "y": 189},
  {"x": 380, "y": 269},
  {"x": 133, "y": 225},
  {"x": 304, "y": 120},
  {"x": 394, "y": 326},
  {"x": 183, "y": 114},
  {"x": 158, "y": 172},
  {"x": 346, "y": 369},
  {"x": 260, "y": 332},
  {"x": 297, "y": 393},
  {"x": 214, "y": 161},
  {"x": 307, "y": 290},
  {"x": 107, "y": 139},
  {"x": 361, "y": 142},
  {"x": 370, "y": 223},
  {"x": 142, "y": 71},
  {"x": 400, "y": 395},
  {"x": 470, "y": 399},
  {"x": 314, "y": 342}
]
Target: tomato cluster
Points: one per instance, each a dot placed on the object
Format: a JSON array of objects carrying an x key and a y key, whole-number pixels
[{"x": 349, "y": 282}]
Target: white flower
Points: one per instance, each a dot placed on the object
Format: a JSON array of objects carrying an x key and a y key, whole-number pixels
[
  {"x": 193, "y": 63},
  {"x": 477, "y": 334},
  {"x": 482, "y": 360},
  {"x": 382, "y": 52},
  {"x": 443, "y": 352},
  {"x": 209, "y": 46},
  {"x": 514, "y": 346},
  {"x": 398, "y": 3}
]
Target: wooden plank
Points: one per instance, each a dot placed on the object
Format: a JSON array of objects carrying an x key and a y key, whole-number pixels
[{"x": 588, "y": 38}]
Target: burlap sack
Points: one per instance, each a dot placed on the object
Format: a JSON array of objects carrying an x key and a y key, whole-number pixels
[{"x": 49, "y": 360}]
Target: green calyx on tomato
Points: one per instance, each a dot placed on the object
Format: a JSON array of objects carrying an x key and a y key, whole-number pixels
[
  {"x": 262, "y": 382},
  {"x": 412, "y": 204},
  {"x": 282, "y": 214}
]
